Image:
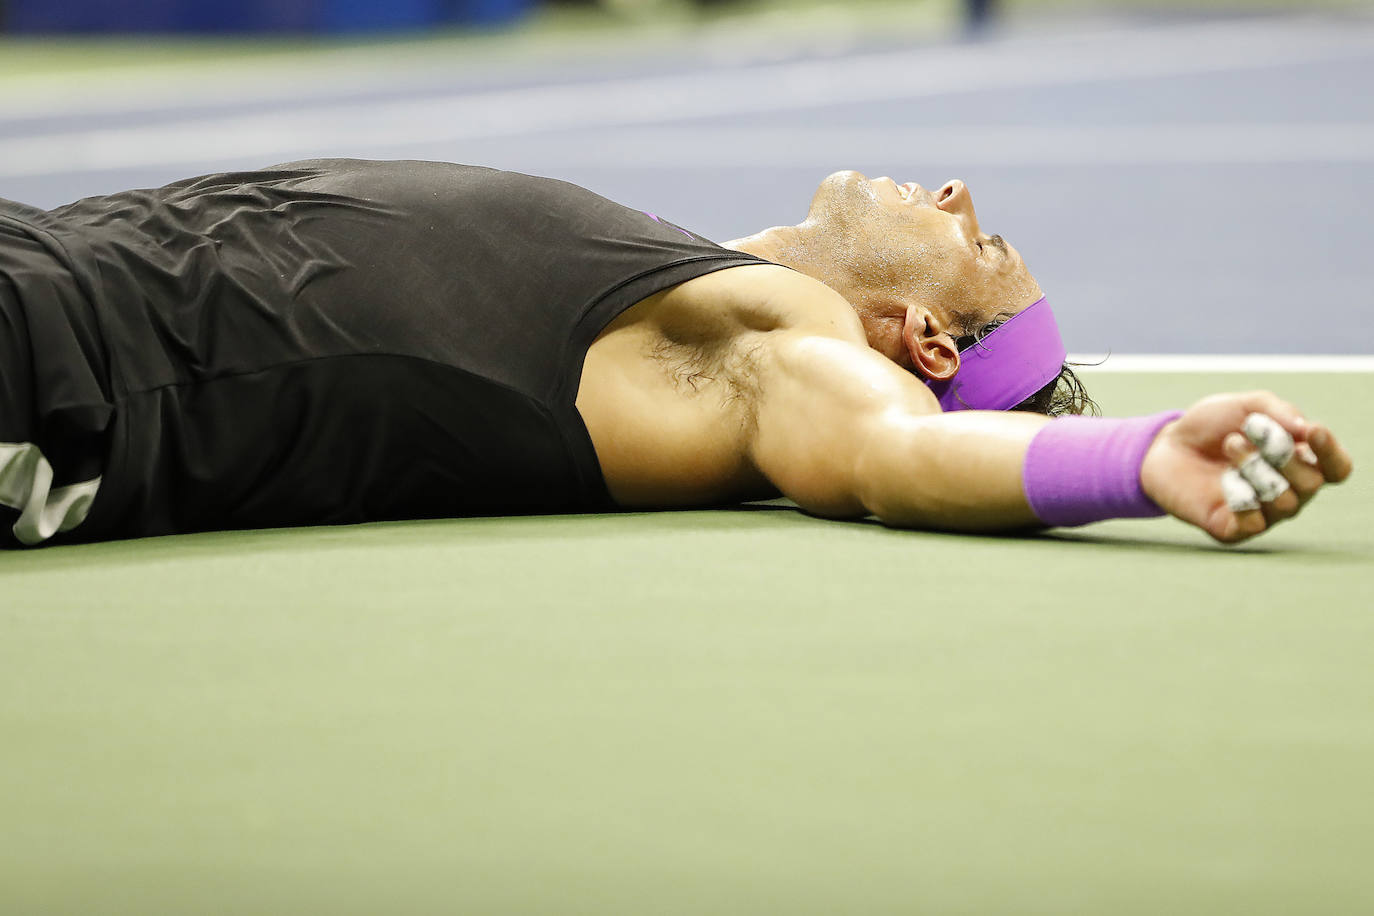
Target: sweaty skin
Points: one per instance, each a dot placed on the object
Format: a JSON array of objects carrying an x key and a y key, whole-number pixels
[{"x": 760, "y": 380}]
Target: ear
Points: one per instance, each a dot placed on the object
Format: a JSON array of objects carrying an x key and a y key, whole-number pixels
[{"x": 931, "y": 346}]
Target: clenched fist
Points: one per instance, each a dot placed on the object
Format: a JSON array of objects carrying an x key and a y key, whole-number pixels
[{"x": 1203, "y": 469}]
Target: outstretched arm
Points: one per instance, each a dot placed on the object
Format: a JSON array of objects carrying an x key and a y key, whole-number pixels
[{"x": 844, "y": 432}]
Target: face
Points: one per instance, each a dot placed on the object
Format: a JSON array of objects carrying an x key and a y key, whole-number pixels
[{"x": 888, "y": 247}]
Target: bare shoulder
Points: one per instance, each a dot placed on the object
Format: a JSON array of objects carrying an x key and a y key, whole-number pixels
[
  {"x": 741, "y": 334},
  {"x": 669, "y": 389},
  {"x": 811, "y": 339}
]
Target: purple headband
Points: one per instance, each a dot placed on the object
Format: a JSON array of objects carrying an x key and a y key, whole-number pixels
[{"x": 1016, "y": 360}]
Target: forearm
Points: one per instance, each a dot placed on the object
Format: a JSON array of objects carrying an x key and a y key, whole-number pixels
[
  {"x": 953, "y": 471},
  {"x": 996, "y": 471}
]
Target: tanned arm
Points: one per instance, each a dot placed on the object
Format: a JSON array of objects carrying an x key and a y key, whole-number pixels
[{"x": 845, "y": 432}]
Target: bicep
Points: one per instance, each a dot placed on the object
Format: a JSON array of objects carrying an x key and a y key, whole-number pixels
[{"x": 819, "y": 404}]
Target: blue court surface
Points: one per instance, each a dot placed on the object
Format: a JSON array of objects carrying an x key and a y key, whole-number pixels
[
  {"x": 751, "y": 711},
  {"x": 1190, "y": 186}
]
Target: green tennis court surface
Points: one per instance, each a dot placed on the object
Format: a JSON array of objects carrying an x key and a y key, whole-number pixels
[{"x": 740, "y": 711}]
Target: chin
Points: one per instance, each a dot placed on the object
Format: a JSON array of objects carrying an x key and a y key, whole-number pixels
[
  {"x": 839, "y": 192},
  {"x": 838, "y": 182}
]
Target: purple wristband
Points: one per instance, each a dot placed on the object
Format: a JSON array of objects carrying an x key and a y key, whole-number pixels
[{"x": 1083, "y": 469}]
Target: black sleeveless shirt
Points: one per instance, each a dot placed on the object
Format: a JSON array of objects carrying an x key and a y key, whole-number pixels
[{"x": 339, "y": 341}]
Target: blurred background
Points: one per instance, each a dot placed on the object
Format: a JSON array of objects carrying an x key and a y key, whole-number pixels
[{"x": 1182, "y": 177}]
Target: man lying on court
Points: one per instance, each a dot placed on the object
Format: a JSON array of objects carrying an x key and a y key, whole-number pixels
[{"x": 341, "y": 341}]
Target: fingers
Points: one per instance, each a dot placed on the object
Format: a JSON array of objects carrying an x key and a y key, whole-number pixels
[
  {"x": 1274, "y": 442},
  {"x": 1297, "y": 463},
  {"x": 1256, "y": 493},
  {"x": 1274, "y": 496},
  {"x": 1331, "y": 456},
  {"x": 1270, "y": 405},
  {"x": 1242, "y": 516},
  {"x": 1237, "y": 492},
  {"x": 1278, "y": 462},
  {"x": 1250, "y": 495},
  {"x": 1233, "y": 527}
]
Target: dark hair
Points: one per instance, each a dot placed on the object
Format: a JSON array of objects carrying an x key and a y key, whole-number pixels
[{"x": 1064, "y": 394}]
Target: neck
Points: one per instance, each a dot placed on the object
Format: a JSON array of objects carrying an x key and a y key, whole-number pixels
[
  {"x": 781, "y": 244},
  {"x": 791, "y": 246},
  {"x": 797, "y": 248}
]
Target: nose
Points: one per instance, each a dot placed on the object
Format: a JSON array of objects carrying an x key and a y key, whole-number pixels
[{"x": 955, "y": 199}]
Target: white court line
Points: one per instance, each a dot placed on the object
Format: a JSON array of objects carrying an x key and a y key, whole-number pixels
[
  {"x": 1287, "y": 363},
  {"x": 349, "y": 128}
]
